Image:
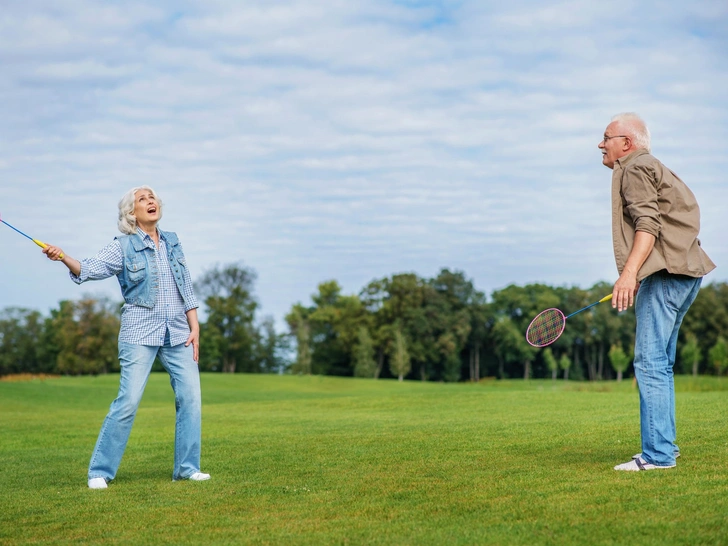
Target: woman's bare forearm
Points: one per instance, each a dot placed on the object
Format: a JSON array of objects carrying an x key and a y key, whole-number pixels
[{"x": 57, "y": 255}]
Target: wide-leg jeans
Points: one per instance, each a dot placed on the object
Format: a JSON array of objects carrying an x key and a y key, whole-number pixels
[
  {"x": 136, "y": 364},
  {"x": 662, "y": 302}
]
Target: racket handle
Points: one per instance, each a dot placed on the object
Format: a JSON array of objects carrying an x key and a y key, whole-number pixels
[
  {"x": 605, "y": 298},
  {"x": 43, "y": 245}
]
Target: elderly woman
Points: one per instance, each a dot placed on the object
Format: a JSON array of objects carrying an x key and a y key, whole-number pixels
[{"x": 159, "y": 318}]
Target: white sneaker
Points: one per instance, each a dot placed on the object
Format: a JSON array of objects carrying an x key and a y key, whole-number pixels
[
  {"x": 199, "y": 477},
  {"x": 635, "y": 465},
  {"x": 97, "y": 483}
]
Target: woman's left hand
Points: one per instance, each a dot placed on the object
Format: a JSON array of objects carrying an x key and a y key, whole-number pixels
[
  {"x": 195, "y": 340},
  {"x": 194, "y": 337}
]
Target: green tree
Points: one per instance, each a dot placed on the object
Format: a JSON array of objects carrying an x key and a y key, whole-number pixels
[
  {"x": 511, "y": 346},
  {"x": 514, "y": 308},
  {"x": 404, "y": 311},
  {"x": 565, "y": 365},
  {"x": 503, "y": 336},
  {"x": 481, "y": 321},
  {"x": 373, "y": 297},
  {"x": 619, "y": 360},
  {"x": 229, "y": 336},
  {"x": 364, "y": 363},
  {"x": 551, "y": 362},
  {"x": 85, "y": 334},
  {"x": 603, "y": 327},
  {"x": 303, "y": 349},
  {"x": 399, "y": 361},
  {"x": 272, "y": 348},
  {"x": 690, "y": 353},
  {"x": 298, "y": 324},
  {"x": 718, "y": 355},
  {"x": 454, "y": 313},
  {"x": 397, "y": 303},
  {"x": 335, "y": 320},
  {"x": 23, "y": 346},
  {"x": 433, "y": 315},
  {"x": 708, "y": 316}
]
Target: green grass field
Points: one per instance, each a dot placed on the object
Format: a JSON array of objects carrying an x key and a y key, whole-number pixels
[{"x": 319, "y": 460}]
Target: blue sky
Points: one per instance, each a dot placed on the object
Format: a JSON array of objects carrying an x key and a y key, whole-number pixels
[{"x": 349, "y": 140}]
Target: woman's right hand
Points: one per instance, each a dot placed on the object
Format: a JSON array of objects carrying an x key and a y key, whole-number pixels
[{"x": 57, "y": 255}]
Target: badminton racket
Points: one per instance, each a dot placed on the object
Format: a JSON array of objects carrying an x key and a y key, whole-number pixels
[
  {"x": 36, "y": 241},
  {"x": 548, "y": 325}
]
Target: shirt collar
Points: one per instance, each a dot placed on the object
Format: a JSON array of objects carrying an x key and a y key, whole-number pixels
[
  {"x": 146, "y": 239},
  {"x": 627, "y": 159}
]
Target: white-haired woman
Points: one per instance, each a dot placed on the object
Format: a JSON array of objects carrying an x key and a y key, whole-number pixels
[{"x": 158, "y": 319}]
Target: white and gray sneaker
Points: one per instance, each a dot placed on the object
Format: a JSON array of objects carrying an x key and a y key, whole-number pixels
[
  {"x": 635, "y": 465},
  {"x": 199, "y": 477}
]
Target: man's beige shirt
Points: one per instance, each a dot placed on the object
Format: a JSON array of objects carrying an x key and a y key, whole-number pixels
[{"x": 647, "y": 196}]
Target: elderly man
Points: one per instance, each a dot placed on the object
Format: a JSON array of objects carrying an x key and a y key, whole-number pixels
[{"x": 655, "y": 225}]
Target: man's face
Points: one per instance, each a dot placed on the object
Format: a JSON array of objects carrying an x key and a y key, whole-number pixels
[{"x": 614, "y": 144}]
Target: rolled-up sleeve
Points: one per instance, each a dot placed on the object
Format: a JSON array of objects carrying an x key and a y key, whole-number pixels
[
  {"x": 106, "y": 263},
  {"x": 640, "y": 193}
]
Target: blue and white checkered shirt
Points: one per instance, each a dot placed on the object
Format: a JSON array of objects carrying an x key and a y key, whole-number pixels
[{"x": 140, "y": 325}]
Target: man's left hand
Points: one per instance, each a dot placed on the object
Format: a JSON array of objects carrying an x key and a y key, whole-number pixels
[{"x": 624, "y": 291}]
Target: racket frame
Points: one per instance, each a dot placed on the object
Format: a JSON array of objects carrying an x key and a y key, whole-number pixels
[{"x": 563, "y": 325}]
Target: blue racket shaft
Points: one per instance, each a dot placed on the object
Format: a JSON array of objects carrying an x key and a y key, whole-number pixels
[
  {"x": 605, "y": 298},
  {"x": 36, "y": 241},
  {"x": 16, "y": 229}
]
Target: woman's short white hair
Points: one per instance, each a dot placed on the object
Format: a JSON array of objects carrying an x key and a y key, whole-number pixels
[
  {"x": 635, "y": 125},
  {"x": 127, "y": 221}
]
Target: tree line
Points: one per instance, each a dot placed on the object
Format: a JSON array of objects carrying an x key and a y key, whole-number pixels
[
  {"x": 404, "y": 326},
  {"x": 444, "y": 329},
  {"x": 80, "y": 337}
]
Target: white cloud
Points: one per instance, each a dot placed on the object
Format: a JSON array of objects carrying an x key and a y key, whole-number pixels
[{"x": 350, "y": 140}]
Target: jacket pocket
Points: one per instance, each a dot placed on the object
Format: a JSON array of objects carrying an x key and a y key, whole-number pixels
[{"x": 135, "y": 271}]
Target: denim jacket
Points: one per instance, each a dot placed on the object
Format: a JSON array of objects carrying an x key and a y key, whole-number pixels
[{"x": 139, "y": 277}]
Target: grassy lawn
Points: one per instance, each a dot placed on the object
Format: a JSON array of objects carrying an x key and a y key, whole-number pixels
[{"x": 318, "y": 460}]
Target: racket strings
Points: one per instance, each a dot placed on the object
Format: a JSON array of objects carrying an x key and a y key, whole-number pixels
[{"x": 546, "y": 328}]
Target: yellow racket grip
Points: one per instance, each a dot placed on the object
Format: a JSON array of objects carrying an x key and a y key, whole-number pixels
[
  {"x": 43, "y": 245},
  {"x": 605, "y": 298}
]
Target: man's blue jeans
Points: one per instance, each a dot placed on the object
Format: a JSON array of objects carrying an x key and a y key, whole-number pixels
[
  {"x": 136, "y": 364},
  {"x": 662, "y": 302}
]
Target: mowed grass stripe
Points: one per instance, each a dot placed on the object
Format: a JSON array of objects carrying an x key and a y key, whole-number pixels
[{"x": 318, "y": 460}]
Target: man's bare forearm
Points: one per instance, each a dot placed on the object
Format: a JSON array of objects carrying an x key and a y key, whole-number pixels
[{"x": 626, "y": 286}]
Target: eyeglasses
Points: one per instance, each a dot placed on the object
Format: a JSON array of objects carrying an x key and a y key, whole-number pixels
[{"x": 614, "y": 136}]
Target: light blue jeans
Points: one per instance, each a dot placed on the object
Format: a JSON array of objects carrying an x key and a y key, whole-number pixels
[
  {"x": 136, "y": 364},
  {"x": 662, "y": 302}
]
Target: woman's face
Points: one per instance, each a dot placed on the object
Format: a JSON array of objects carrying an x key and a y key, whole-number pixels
[{"x": 146, "y": 209}]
